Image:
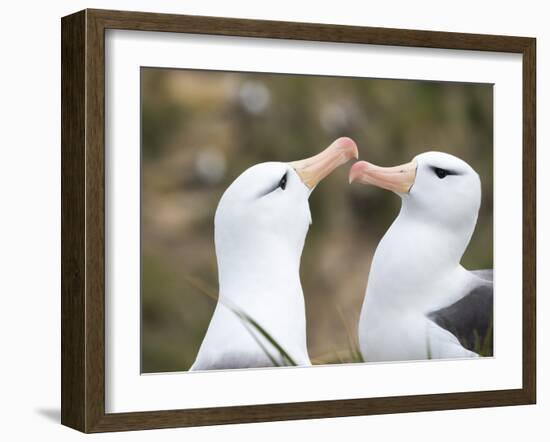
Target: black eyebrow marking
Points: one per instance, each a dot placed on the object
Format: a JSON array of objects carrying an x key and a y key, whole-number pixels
[
  {"x": 272, "y": 189},
  {"x": 448, "y": 171}
]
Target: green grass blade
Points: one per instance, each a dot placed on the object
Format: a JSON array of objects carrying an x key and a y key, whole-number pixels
[
  {"x": 268, "y": 337},
  {"x": 260, "y": 344},
  {"x": 247, "y": 321}
]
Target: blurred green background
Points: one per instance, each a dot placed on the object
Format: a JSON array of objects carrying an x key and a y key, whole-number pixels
[{"x": 201, "y": 129}]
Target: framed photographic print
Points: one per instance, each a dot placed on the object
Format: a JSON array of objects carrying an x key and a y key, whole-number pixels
[{"x": 269, "y": 220}]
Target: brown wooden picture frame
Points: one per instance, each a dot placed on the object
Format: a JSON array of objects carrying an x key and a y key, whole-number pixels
[{"x": 83, "y": 219}]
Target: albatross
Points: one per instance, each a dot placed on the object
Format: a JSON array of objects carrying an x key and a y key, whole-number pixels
[
  {"x": 260, "y": 227},
  {"x": 420, "y": 302}
]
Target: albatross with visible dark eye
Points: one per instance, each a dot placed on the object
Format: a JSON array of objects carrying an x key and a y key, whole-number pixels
[
  {"x": 420, "y": 303},
  {"x": 260, "y": 227}
]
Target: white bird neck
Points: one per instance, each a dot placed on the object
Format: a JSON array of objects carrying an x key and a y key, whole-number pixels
[
  {"x": 416, "y": 262},
  {"x": 258, "y": 270},
  {"x": 262, "y": 280}
]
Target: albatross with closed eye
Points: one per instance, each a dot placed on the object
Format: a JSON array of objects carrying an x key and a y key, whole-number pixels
[
  {"x": 420, "y": 303},
  {"x": 260, "y": 227}
]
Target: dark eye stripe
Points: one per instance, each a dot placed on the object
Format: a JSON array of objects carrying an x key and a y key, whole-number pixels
[
  {"x": 442, "y": 173},
  {"x": 282, "y": 183}
]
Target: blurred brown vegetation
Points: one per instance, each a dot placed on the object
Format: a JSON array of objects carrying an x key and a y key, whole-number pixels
[{"x": 201, "y": 129}]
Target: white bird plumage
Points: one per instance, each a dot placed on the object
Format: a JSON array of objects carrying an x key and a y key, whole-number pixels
[
  {"x": 260, "y": 227},
  {"x": 416, "y": 268}
]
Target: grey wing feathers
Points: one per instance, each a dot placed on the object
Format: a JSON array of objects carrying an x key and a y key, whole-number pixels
[{"x": 471, "y": 318}]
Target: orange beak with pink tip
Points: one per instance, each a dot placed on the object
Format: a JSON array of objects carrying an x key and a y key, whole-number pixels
[
  {"x": 398, "y": 179},
  {"x": 313, "y": 169}
]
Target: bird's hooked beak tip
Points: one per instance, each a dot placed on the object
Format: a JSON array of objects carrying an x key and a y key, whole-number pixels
[
  {"x": 348, "y": 146},
  {"x": 358, "y": 169},
  {"x": 398, "y": 179},
  {"x": 314, "y": 169},
  {"x": 355, "y": 171}
]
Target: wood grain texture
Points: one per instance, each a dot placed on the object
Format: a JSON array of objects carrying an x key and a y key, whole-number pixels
[
  {"x": 95, "y": 221},
  {"x": 529, "y": 220},
  {"x": 144, "y": 21},
  {"x": 83, "y": 219},
  {"x": 73, "y": 129}
]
